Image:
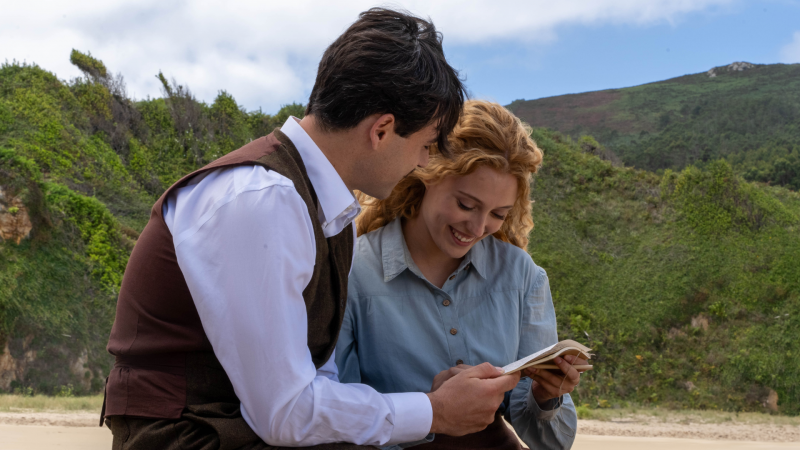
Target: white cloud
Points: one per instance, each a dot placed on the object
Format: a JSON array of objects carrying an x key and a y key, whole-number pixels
[
  {"x": 265, "y": 52},
  {"x": 790, "y": 53}
]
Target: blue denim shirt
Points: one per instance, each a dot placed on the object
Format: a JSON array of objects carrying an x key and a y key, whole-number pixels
[{"x": 400, "y": 330}]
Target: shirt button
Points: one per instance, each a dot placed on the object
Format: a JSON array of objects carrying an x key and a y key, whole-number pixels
[
  {"x": 446, "y": 302},
  {"x": 452, "y": 278},
  {"x": 453, "y": 331},
  {"x": 460, "y": 361}
]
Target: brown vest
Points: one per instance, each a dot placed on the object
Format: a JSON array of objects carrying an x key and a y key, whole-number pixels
[{"x": 164, "y": 361}]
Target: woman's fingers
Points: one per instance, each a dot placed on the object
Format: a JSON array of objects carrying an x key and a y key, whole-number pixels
[
  {"x": 548, "y": 378},
  {"x": 571, "y": 373},
  {"x": 575, "y": 361},
  {"x": 554, "y": 388}
]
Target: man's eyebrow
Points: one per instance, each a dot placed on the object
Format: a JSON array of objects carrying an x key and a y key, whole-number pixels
[{"x": 480, "y": 202}]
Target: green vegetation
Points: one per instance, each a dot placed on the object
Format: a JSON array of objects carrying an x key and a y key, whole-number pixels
[
  {"x": 18, "y": 403},
  {"x": 686, "y": 283},
  {"x": 87, "y": 163},
  {"x": 751, "y": 118}
]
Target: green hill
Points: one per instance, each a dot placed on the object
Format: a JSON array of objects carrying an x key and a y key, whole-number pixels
[
  {"x": 80, "y": 166},
  {"x": 747, "y": 114},
  {"x": 687, "y": 284}
]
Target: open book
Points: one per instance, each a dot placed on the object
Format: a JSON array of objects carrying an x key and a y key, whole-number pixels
[{"x": 542, "y": 357}]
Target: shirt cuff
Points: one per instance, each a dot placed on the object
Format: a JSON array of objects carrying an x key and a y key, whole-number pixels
[
  {"x": 550, "y": 409},
  {"x": 413, "y": 417},
  {"x": 428, "y": 439}
]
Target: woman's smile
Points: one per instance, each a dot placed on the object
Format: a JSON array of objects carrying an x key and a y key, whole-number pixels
[{"x": 461, "y": 239}]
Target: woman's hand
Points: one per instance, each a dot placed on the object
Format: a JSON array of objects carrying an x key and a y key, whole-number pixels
[
  {"x": 447, "y": 374},
  {"x": 548, "y": 385}
]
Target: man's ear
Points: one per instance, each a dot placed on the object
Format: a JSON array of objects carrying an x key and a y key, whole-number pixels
[{"x": 382, "y": 129}]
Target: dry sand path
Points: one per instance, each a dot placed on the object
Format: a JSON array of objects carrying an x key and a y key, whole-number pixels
[
  {"x": 79, "y": 431},
  {"x": 44, "y": 437}
]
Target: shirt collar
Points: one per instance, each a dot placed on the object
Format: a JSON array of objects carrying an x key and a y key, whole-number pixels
[
  {"x": 334, "y": 197},
  {"x": 396, "y": 257}
]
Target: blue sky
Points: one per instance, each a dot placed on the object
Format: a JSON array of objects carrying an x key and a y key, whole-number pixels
[
  {"x": 587, "y": 58},
  {"x": 265, "y": 52}
]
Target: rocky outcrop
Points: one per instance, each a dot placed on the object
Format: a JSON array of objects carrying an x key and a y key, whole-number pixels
[
  {"x": 15, "y": 223},
  {"x": 735, "y": 67},
  {"x": 700, "y": 321},
  {"x": 14, "y": 369},
  {"x": 11, "y": 368},
  {"x": 79, "y": 370},
  {"x": 8, "y": 368}
]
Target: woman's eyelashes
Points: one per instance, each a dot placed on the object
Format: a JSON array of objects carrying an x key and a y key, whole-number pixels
[
  {"x": 465, "y": 207},
  {"x": 472, "y": 208}
]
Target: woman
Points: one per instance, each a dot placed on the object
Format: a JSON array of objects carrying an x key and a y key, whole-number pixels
[{"x": 442, "y": 281}]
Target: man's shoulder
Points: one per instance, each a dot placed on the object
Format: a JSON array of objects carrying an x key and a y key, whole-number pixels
[
  {"x": 202, "y": 196},
  {"x": 224, "y": 183}
]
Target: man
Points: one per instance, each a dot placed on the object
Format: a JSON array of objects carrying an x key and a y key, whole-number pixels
[{"x": 233, "y": 297}]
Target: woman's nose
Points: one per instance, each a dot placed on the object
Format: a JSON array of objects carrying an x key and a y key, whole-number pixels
[{"x": 477, "y": 226}]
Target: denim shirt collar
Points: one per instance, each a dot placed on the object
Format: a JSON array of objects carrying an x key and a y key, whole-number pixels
[{"x": 396, "y": 257}]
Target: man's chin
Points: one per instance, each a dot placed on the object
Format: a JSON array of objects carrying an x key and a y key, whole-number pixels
[{"x": 379, "y": 193}]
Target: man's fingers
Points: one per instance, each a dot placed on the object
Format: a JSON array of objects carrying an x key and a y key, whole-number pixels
[
  {"x": 483, "y": 371},
  {"x": 505, "y": 383}
]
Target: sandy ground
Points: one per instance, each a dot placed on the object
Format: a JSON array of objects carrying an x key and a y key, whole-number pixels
[
  {"x": 74, "y": 431},
  {"x": 67, "y": 419},
  {"x": 708, "y": 431}
]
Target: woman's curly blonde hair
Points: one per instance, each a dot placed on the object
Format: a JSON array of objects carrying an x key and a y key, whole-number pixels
[{"x": 486, "y": 135}]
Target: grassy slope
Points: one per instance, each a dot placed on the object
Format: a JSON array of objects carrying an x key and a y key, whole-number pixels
[
  {"x": 88, "y": 163},
  {"x": 632, "y": 257},
  {"x": 750, "y": 118}
]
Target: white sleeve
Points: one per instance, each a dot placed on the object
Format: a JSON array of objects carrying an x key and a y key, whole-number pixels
[
  {"x": 329, "y": 370},
  {"x": 246, "y": 266}
]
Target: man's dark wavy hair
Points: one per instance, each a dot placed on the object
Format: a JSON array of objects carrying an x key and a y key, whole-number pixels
[{"x": 388, "y": 62}]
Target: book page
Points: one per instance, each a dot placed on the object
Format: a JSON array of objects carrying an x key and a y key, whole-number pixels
[{"x": 521, "y": 362}]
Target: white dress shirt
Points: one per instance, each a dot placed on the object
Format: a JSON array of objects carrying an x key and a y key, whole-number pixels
[{"x": 245, "y": 245}]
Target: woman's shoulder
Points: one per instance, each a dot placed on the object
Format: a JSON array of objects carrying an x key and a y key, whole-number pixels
[
  {"x": 502, "y": 255},
  {"x": 367, "y": 261}
]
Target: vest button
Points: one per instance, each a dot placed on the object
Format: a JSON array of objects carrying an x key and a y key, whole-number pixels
[
  {"x": 446, "y": 302},
  {"x": 459, "y": 362},
  {"x": 453, "y": 331}
]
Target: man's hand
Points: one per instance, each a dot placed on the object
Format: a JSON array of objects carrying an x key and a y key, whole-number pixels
[
  {"x": 548, "y": 385},
  {"x": 466, "y": 401},
  {"x": 447, "y": 374}
]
